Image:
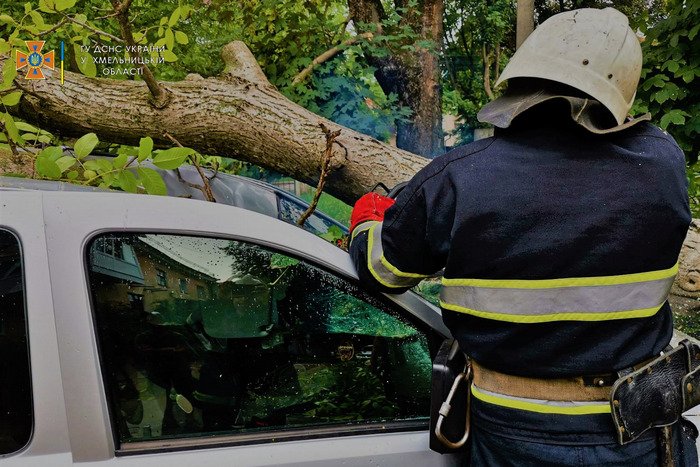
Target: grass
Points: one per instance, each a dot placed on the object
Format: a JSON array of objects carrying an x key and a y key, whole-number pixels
[{"x": 331, "y": 206}]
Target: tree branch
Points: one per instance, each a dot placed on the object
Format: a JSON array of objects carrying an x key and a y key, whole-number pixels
[
  {"x": 205, "y": 188},
  {"x": 160, "y": 95},
  {"x": 10, "y": 141},
  {"x": 325, "y": 170},
  {"x": 327, "y": 55},
  {"x": 93, "y": 29},
  {"x": 54, "y": 28}
]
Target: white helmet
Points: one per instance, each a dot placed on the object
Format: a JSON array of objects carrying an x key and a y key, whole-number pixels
[{"x": 592, "y": 50}]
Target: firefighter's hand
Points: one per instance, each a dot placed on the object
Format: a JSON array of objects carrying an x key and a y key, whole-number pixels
[{"x": 370, "y": 207}]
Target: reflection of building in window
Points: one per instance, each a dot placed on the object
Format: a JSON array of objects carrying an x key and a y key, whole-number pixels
[
  {"x": 110, "y": 246},
  {"x": 155, "y": 276},
  {"x": 161, "y": 277}
]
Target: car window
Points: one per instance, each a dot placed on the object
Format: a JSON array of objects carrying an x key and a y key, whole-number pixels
[
  {"x": 267, "y": 342},
  {"x": 15, "y": 384},
  {"x": 290, "y": 211}
]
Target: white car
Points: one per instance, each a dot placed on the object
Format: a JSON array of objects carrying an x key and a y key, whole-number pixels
[{"x": 148, "y": 330}]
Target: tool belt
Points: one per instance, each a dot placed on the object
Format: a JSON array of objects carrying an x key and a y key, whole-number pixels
[
  {"x": 651, "y": 394},
  {"x": 656, "y": 394},
  {"x": 594, "y": 388}
]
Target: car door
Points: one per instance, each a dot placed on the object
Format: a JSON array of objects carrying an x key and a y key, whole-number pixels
[{"x": 191, "y": 332}]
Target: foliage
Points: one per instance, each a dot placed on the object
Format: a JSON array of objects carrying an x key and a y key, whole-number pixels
[
  {"x": 669, "y": 86},
  {"x": 472, "y": 28},
  {"x": 122, "y": 172},
  {"x": 640, "y": 12},
  {"x": 356, "y": 395}
]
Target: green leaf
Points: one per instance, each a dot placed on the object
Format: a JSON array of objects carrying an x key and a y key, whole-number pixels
[
  {"x": 661, "y": 96},
  {"x": 4, "y": 46},
  {"x": 72, "y": 175},
  {"x": 65, "y": 163},
  {"x": 694, "y": 32},
  {"x": 36, "y": 17},
  {"x": 9, "y": 73},
  {"x": 26, "y": 127},
  {"x": 127, "y": 181},
  {"x": 47, "y": 6},
  {"x": 675, "y": 116},
  {"x": 174, "y": 17},
  {"x": 64, "y": 4},
  {"x": 169, "y": 38},
  {"x": 86, "y": 63},
  {"x": 52, "y": 153},
  {"x": 11, "y": 128},
  {"x": 85, "y": 145},
  {"x": 7, "y": 19},
  {"x": 145, "y": 148},
  {"x": 172, "y": 158},
  {"x": 98, "y": 165},
  {"x": 181, "y": 37},
  {"x": 120, "y": 161},
  {"x": 47, "y": 168},
  {"x": 152, "y": 181},
  {"x": 12, "y": 98},
  {"x": 169, "y": 56}
]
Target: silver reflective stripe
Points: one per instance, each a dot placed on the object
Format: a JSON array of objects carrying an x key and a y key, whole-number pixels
[
  {"x": 361, "y": 228},
  {"x": 542, "y": 406},
  {"x": 532, "y": 303},
  {"x": 385, "y": 273}
]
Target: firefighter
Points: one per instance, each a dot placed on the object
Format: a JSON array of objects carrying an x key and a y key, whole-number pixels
[{"x": 559, "y": 239}]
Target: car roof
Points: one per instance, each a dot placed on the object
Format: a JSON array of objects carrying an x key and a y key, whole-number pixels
[{"x": 233, "y": 190}]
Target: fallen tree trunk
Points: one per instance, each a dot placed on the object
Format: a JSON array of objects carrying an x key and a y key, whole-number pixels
[
  {"x": 242, "y": 115},
  {"x": 239, "y": 115},
  {"x": 685, "y": 294}
]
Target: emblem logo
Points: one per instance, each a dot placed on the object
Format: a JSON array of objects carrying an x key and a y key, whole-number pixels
[{"x": 34, "y": 61}]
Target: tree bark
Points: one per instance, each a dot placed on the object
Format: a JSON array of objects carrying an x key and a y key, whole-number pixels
[
  {"x": 239, "y": 115},
  {"x": 413, "y": 75},
  {"x": 685, "y": 294},
  {"x": 525, "y": 22}
]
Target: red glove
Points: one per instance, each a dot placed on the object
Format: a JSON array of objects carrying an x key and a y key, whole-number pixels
[{"x": 370, "y": 207}]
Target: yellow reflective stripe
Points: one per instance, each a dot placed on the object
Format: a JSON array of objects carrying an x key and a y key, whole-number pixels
[
  {"x": 370, "y": 247},
  {"x": 565, "y": 282},
  {"x": 530, "y": 406},
  {"x": 566, "y": 316},
  {"x": 361, "y": 228},
  {"x": 399, "y": 273},
  {"x": 383, "y": 271}
]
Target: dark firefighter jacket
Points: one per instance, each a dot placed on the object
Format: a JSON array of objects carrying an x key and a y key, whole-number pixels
[{"x": 559, "y": 247}]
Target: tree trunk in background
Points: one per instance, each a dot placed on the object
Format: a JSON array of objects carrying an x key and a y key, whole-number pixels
[
  {"x": 413, "y": 75},
  {"x": 525, "y": 22}
]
